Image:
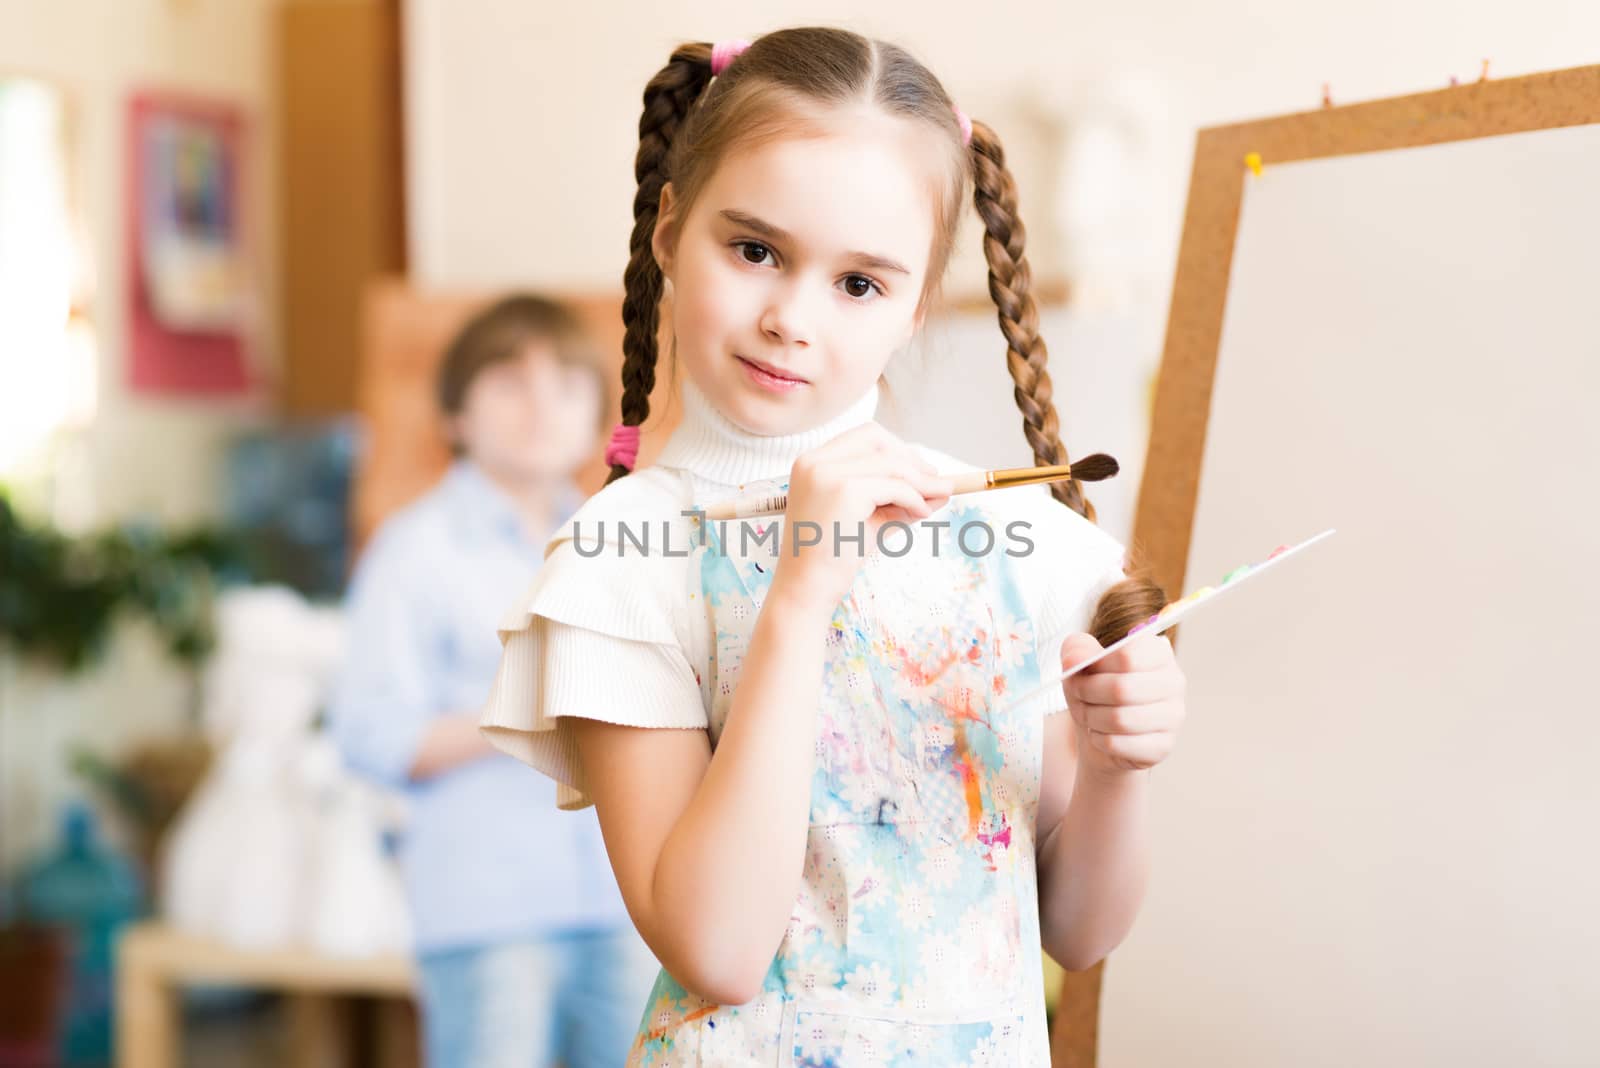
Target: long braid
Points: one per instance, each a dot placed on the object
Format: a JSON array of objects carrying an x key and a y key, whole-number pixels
[
  {"x": 1010, "y": 285},
  {"x": 1136, "y": 597},
  {"x": 668, "y": 99}
]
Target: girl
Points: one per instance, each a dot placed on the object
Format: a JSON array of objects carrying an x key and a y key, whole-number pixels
[{"x": 831, "y": 821}]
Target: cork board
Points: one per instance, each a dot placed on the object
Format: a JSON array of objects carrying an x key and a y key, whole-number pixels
[{"x": 1363, "y": 842}]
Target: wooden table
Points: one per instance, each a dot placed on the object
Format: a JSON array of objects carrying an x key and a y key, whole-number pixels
[{"x": 154, "y": 962}]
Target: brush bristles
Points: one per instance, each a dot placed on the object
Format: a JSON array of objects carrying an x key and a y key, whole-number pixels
[{"x": 1095, "y": 468}]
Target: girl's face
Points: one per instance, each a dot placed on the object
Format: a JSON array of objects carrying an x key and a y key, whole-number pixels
[
  {"x": 530, "y": 417},
  {"x": 799, "y": 269}
]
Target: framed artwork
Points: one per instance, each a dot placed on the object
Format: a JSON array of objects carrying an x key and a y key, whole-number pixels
[{"x": 188, "y": 276}]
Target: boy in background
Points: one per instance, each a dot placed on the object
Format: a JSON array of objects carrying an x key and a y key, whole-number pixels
[{"x": 525, "y": 952}]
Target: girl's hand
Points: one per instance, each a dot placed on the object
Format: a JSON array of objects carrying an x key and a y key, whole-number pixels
[
  {"x": 857, "y": 482},
  {"x": 1128, "y": 707}
]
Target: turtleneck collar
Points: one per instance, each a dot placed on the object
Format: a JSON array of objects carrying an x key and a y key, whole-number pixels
[{"x": 710, "y": 447}]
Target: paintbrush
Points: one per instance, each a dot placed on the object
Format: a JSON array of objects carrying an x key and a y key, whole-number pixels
[{"x": 1089, "y": 469}]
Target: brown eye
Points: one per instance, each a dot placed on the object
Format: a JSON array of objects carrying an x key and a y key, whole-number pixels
[
  {"x": 752, "y": 252},
  {"x": 859, "y": 286}
]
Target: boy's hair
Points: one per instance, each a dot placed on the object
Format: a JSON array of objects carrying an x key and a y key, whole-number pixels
[
  {"x": 501, "y": 332},
  {"x": 691, "y": 122}
]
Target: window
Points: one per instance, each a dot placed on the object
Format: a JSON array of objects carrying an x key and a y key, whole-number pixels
[{"x": 47, "y": 351}]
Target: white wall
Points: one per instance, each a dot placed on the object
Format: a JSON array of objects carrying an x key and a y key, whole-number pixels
[{"x": 522, "y": 117}]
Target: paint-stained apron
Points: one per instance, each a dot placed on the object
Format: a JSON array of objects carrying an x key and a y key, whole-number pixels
[{"x": 914, "y": 939}]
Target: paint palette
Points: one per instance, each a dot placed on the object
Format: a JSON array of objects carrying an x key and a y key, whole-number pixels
[{"x": 1177, "y": 611}]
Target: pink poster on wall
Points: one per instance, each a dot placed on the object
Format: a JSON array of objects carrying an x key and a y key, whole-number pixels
[{"x": 187, "y": 268}]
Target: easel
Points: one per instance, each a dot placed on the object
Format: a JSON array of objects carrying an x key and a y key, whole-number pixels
[{"x": 1165, "y": 518}]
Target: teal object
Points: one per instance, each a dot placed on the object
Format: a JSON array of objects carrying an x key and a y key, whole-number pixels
[{"x": 90, "y": 891}]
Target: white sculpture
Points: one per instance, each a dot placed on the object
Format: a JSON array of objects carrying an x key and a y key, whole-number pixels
[{"x": 280, "y": 846}]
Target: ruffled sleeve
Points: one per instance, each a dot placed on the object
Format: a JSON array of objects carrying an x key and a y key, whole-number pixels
[{"x": 603, "y": 633}]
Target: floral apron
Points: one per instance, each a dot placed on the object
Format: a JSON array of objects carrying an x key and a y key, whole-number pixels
[{"x": 915, "y": 936}]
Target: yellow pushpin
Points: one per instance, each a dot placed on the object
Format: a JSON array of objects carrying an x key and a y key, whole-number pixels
[
  {"x": 1483, "y": 75},
  {"x": 1253, "y": 161}
]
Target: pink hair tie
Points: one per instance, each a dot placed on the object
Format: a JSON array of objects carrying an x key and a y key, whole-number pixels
[
  {"x": 623, "y": 448},
  {"x": 966, "y": 123},
  {"x": 722, "y": 54}
]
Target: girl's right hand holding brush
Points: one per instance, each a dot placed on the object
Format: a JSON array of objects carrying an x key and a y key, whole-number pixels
[{"x": 851, "y": 485}]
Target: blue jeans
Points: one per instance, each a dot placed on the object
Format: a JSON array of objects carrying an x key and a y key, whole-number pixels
[{"x": 573, "y": 998}]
